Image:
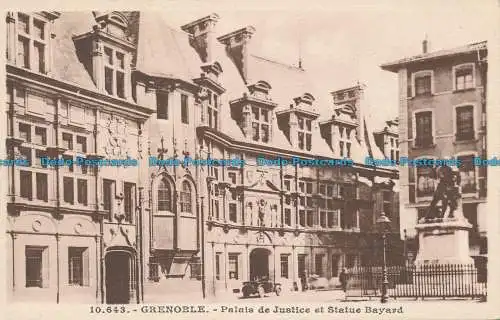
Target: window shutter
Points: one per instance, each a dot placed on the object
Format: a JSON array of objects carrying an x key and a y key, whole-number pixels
[
  {"x": 45, "y": 268},
  {"x": 85, "y": 267}
]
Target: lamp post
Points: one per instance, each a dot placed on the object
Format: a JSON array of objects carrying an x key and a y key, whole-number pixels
[{"x": 384, "y": 224}]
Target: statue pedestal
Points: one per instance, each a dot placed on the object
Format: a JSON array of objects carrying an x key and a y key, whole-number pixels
[
  {"x": 443, "y": 263},
  {"x": 443, "y": 241}
]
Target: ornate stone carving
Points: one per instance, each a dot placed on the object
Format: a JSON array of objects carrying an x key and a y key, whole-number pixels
[{"x": 116, "y": 129}]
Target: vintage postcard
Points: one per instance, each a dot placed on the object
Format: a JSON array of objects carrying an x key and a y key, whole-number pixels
[{"x": 276, "y": 159}]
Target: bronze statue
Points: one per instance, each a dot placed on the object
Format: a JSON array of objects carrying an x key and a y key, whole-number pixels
[{"x": 447, "y": 192}]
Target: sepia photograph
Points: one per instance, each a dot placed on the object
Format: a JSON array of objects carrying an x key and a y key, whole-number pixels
[{"x": 191, "y": 154}]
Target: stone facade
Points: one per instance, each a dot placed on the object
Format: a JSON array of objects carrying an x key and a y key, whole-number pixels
[{"x": 89, "y": 86}]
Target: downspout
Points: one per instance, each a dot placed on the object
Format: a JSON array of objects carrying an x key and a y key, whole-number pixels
[
  {"x": 203, "y": 284},
  {"x": 58, "y": 272}
]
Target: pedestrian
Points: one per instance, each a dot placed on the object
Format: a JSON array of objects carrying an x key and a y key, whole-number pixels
[{"x": 343, "y": 277}]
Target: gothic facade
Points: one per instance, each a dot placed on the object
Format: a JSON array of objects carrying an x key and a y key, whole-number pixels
[{"x": 114, "y": 99}]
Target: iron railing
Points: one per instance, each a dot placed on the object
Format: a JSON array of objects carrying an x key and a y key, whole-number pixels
[{"x": 419, "y": 281}]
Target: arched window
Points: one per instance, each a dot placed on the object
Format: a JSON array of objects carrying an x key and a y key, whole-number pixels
[
  {"x": 185, "y": 198},
  {"x": 164, "y": 196}
]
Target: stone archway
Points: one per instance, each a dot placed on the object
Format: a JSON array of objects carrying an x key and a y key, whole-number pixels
[
  {"x": 259, "y": 263},
  {"x": 119, "y": 275}
]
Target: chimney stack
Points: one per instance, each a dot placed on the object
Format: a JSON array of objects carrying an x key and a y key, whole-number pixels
[
  {"x": 202, "y": 35},
  {"x": 238, "y": 46},
  {"x": 424, "y": 45}
]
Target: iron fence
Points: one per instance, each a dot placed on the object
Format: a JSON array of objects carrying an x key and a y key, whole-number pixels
[{"x": 419, "y": 281}]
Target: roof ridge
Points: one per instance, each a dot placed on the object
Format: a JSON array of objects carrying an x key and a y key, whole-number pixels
[{"x": 278, "y": 62}]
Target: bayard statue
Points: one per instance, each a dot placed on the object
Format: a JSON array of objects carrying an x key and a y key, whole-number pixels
[{"x": 447, "y": 192}]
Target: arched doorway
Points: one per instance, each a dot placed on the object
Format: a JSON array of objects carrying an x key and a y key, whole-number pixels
[
  {"x": 119, "y": 276},
  {"x": 259, "y": 263}
]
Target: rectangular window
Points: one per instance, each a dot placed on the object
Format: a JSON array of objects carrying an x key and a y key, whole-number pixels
[
  {"x": 25, "y": 132},
  {"x": 310, "y": 218},
  {"x": 120, "y": 84},
  {"x": 23, "y": 23},
  {"x": 25, "y": 153},
  {"x": 82, "y": 191},
  {"x": 39, "y": 154},
  {"x": 232, "y": 212},
  {"x": 184, "y": 109},
  {"x": 255, "y": 131},
  {"x": 81, "y": 144},
  {"x": 26, "y": 185},
  {"x": 350, "y": 260},
  {"x": 465, "y": 123},
  {"x": 107, "y": 188},
  {"x": 68, "y": 159},
  {"x": 265, "y": 133},
  {"x": 467, "y": 174},
  {"x": 464, "y": 79},
  {"x": 318, "y": 264},
  {"x": 233, "y": 266},
  {"x": 39, "y": 29},
  {"x": 39, "y": 57},
  {"x": 40, "y": 136},
  {"x": 41, "y": 187},
  {"x": 162, "y": 105},
  {"x": 423, "y": 85},
  {"x": 67, "y": 141},
  {"x": 23, "y": 52},
  {"x": 78, "y": 266},
  {"x": 284, "y": 265},
  {"x": 287, "y": 185},
  {"x": 423, "y": 129},
  {"x": 128, "y": 200},
  {"x": 288, "y": 217},
  {"x": 302, "y": 218},
  {"x": 232, "y": 177},
  {"x": 322, "y": 219},
  {"x": 218, "y": 257},
  {"x": 69, "y": 192},
  {"x": 426, "y": 182},
  {"x": 108, "y": 80},
  {"x": 36, "y": 271}
]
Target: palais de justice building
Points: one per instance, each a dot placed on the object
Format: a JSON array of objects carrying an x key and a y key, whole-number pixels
[{"x": 117, "y": 85}]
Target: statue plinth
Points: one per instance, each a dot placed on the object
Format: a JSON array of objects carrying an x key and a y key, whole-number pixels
[{"x": 443, "y": 241}]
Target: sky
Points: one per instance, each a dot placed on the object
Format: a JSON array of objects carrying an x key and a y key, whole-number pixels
[{"x": 344, "y": 42}]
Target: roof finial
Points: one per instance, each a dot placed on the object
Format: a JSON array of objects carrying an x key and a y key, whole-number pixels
[{"x": 300, "y": 45}]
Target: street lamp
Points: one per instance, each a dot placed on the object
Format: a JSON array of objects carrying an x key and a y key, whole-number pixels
[{"x": 384, "y": 225}]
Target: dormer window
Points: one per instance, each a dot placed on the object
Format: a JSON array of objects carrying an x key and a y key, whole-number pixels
[
  {"x": 260, "y": 124},
  {"x": 31, "y": 43},
  {"x": 304, "y": 133},
  {"x": 106, "y": 53},
  {"x": 345, "y": 141},
  {"x": 114, "y": 72}
]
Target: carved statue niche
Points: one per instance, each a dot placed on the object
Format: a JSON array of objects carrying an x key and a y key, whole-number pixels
[
  {"x": 262, "y": 211},
  {"x": 447, "y": 192}
]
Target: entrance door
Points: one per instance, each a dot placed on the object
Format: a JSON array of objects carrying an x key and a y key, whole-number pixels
[
  {"x": 335, "y": 265},
  {"x": 259, "y": 264},
  {"x": 301, "y": 264},
  {"x": 118, "y": 277}
]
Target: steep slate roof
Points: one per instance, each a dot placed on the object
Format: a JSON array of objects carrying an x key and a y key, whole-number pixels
[
  {"x": 163, "y": 51},
  {"x": 395, "y": 65},
  {"x": 66, "y": 65},
  {"x": 171, "y": 56}
]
